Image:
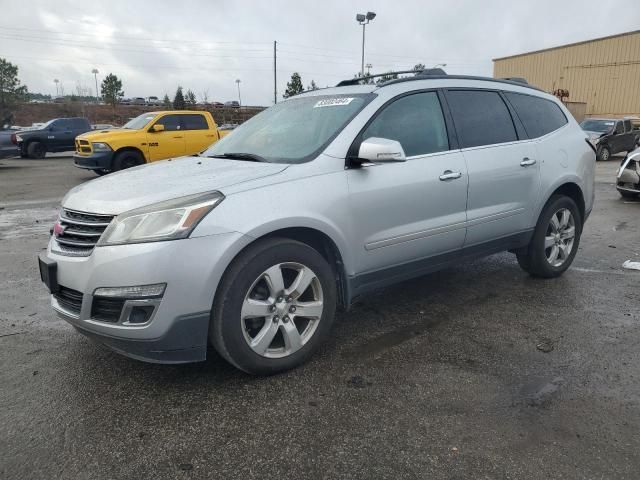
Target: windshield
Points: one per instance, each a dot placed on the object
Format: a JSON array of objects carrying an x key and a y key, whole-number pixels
[
  {"x": 600, "y": 126},
  {"x": 292, "y": 131},
  {"x": 139, "y": 122}
]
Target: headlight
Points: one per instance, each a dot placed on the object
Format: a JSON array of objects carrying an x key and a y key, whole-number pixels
[
  {"x": 100, "y": 147},
  {"x": 168, "y": 220}
]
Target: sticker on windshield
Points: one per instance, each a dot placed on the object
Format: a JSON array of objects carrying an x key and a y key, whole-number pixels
[{"x": 333, "y": 102}]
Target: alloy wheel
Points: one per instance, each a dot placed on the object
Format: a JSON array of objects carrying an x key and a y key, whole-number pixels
[
  {"x": 282, "y": 310},
  {"x": 560, "y": 236}
]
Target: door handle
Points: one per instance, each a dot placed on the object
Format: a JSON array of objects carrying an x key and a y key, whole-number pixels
[
  {"x": 178, "y": 137},
  {"x": 527, "y": 162},
  {"x": 449, "y": 175}
]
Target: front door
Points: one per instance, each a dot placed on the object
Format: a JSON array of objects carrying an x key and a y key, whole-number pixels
[
  {"x": 407, "y": 211},
  {"x": 504, "y": 172},
  {"x": 168, "y": 143}
]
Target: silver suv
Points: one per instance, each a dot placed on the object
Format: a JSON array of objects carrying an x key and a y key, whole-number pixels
[{"x": 252, "y": 245}]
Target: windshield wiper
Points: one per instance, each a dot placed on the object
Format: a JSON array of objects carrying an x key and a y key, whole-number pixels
[{"x": 242, "y": 156}]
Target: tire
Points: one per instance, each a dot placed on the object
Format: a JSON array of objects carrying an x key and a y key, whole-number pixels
[
  {"x": 100, "y": 173},
  {"x": 36, "y": 150},
  {"x": 604, "y": 154},
  {"x": 538, "y": 258},
  {"x": 627, "y": 194},
  {"x": 233, "y": 327},
  {"x": 127, "y": 159}
]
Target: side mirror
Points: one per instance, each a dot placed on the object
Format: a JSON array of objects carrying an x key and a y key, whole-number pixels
[
  {"x": 381, "y": 150},
  {"x": 158, "y": 127}
]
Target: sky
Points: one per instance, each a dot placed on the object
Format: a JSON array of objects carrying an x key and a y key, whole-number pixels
[{"x": 205, "y": 46}]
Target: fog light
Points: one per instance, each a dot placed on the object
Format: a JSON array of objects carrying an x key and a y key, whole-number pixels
[
  {"x": 140, "y": 314},
  {"x": 140, "y": 291}
]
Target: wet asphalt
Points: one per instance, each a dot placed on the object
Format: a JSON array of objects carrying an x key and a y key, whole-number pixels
[{"x": 477, "y": 371}]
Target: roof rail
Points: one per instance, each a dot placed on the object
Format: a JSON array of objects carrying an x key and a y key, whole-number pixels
[
  {"x": 358, "y": 80},
  {"x": 516, "y": 79}
]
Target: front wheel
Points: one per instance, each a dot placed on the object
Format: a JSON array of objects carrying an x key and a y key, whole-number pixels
[
  {"x": 127, "y": 159},
  {"x": 274, "y": 307},
  {"x": 36, "y": 150},
  {"x": 604, "y": 154},
  {"x": 555, "y": 239}
]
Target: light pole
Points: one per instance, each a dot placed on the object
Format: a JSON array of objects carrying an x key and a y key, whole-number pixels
[
  {"x": 364, "y": 19},
  {"x": 239, "y": 98},
  {"x": 95, "y": 75},
  {"x": 368, "y": 65},
  {"x": 56, "y": 81}
]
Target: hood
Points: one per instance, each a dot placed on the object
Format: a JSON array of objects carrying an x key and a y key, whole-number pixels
[
  {"x": 165, "y": 180},
  {"x": 103, "y": 135}
]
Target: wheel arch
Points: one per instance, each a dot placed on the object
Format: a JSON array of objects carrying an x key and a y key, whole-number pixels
[
  {"x": 572, "y": 190},
  {"x": 129, "y": 148}
]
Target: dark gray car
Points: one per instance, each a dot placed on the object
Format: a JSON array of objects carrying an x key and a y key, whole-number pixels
[
  {"x": 8, "y": 143},
  {"x": 57, "y": 135},
  {"x": 610, "y": 135}
]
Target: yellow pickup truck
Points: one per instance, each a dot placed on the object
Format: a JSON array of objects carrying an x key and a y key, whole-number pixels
[{"x": 149, "y": 137}]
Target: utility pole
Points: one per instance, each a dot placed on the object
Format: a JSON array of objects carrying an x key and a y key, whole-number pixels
[
  {"x": 95, "y": 75},
  {"x": 239, "y": 98},
  {"x": 275, "y": 78},
  {"x": 56, "y": 81}
]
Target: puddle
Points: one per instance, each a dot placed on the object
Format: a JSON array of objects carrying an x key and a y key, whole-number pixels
[{"x": 539, "y": 392}]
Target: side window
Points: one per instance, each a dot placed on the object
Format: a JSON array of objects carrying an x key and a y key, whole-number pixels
[
  {"x": 619, "y": 127},
  {"x": 171, "y": 122},
  {"x": 78, "y": 124},
  {"x": 416, "y": 121},
  {"x": 481, "y": 118},
  {"x": 56, "y": 126},
  {"x": 194, "y": 122},
  {"x": 538, "y": 115},
  {"x": 627, "y": 126}
]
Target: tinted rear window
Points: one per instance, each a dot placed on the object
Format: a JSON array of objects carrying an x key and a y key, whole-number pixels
[
  {"x": 481, "y": 118},
  {"x": 194, "y": 122},
  {"x": 538, "y": 115}
]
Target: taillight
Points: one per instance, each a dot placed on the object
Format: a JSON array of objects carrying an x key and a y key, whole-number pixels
[{"x": 14, "y": 140}]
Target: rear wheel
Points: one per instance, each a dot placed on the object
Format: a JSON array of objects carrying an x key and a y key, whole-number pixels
[
  {"x": 101, "y": 172},
  {"x": 274, "y": 307},
  {"x": 604, "y": 154},
  {"x": 127, "y": 159},
  {"x": 555, "y": 239},
  {"x": 36, "y": 150}
]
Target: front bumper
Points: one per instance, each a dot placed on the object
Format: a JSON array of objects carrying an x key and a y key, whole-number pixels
[
  {"x": 629, "y": 177},
  {"x": 178, "y": 329},
  {"x": 95, "y": 161}
]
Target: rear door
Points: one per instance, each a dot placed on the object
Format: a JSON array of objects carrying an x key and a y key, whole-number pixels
[
  {"x": 404, "y": 211},
  {"x": 504, "y": 174},
  {"x": 197, "y": 134},
  {"x": 629, "y": 136},
  {"x": 168, "y": 143}
]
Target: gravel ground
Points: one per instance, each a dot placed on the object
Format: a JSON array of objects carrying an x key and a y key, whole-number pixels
[{"x": 477, "y": 371}]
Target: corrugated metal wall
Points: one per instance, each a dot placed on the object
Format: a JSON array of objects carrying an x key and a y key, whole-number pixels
[{"x": 603, "y": 73}]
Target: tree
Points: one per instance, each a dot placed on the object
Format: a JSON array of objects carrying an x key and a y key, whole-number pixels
[
  {"x": 313, "y": 86},
  {"x": 294, "y": 87},
  {"x": 111, "y": 89},
  {"x": 190, "y": 99},
  {"x": 365, "y": 80},
  {"x": 418, "y": 67},
  {"x": 205, "y": 97},
  {"x": 11, "y": 92},
  {"x": 166, "y": 101},
  {"x": 178, "y": 100}
]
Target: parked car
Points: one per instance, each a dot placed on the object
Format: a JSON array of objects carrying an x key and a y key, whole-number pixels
[
  {"x": 628, "y": 177},
  {"x": 57, "y": 135},
  {"x": 8, "y": 142},
  {"x": 154, "y": 101},
  {"x": 138, "y": 101},
  {"x": 311, "y": 204},
  {"x": 125, "y": 101},
  {"x": 102, "y": 126},
  {"x": 611, "y": 136},
  {"x": 217, "y": 104},
  {"x": 232, "y": 104},
  {"x": 147, "y": 138},
  {"x": 228, "y": 126}
]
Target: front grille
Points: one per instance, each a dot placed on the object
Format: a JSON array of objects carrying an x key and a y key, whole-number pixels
[
  {"x": 69, "y": 299},
  {"x": 80, "y": 232},
  {"x": 83, "y": 146},
  {"x": 107, "y": 309}
]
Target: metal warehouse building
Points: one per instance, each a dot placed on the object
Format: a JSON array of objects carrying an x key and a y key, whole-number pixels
[{"x": 602, "y": 76}]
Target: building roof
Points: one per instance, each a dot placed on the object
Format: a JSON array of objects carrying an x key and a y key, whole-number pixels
[{"x": 567, "y": 45}]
